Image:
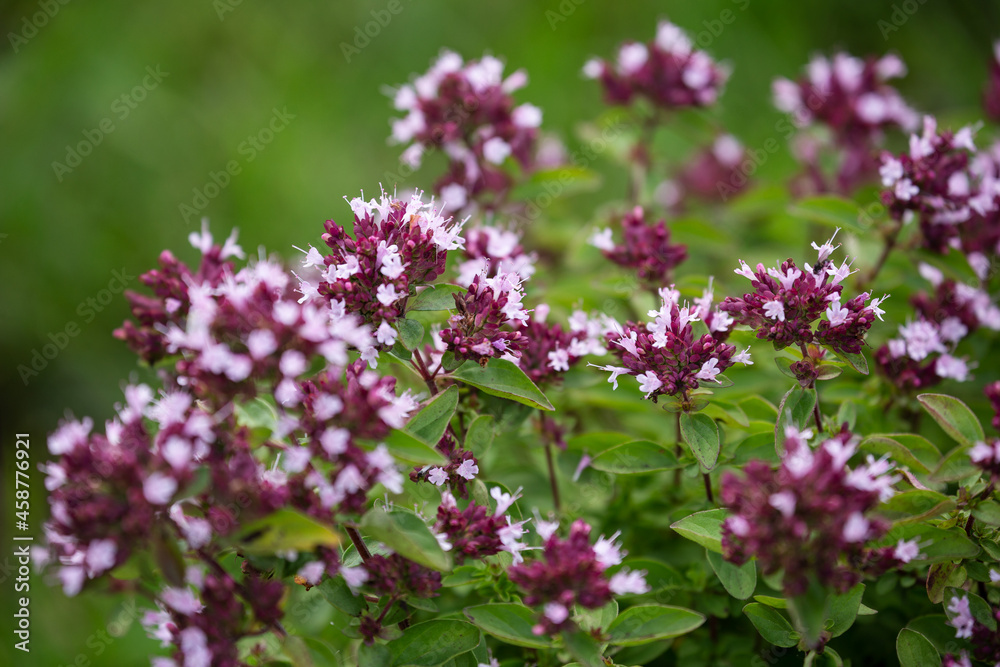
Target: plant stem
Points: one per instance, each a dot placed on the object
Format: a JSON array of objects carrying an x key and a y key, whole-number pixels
[
  {"x": 708, "y": 488},
  {"x": 552, "y": 475},
  {"x": 359, "y": 543},
  {"x": 677, "y": 449},
  {"x": 427, "y": 376}
]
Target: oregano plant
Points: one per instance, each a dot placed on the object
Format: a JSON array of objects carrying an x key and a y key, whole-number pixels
[{"x": 420, "y": 439}]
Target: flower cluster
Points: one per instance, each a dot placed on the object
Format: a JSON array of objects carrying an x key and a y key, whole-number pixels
[
  {"x": 477, "y": 532},
  {"x": 992, "y": 392},
  {"x": 573, "y": 572},
  {"x": 985, "y": 640},
  {"x": 482, "y": 327},
  {"x": 787, "y": 302},
  {"x": 923, "y": 354},
  {"x": 664, "y": 355},
  {"x": 185, "y": 468},
  {"x": 397, "y": 246},
  {"x": 492, "y": 250},
  {"x": 461, "y": 468},
  {"x": 950, "y": 189},
  {"x": 809, "y": 517},
  {"x": 851, "y": 98},
  {"x": 713, "y": 174},
  {"x": 646, "y": 248},
  {"x": 466, "y": 111},
  {"x": 668, "y": 72},
  {"x": 551, "y": 350}
]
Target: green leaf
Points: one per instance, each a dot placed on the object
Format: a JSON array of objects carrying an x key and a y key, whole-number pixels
[
  {"x": 980, "y": 608},
  {"x": 257, "y": 414},
  {"x": 480, "y": 435},
  {"x": 916, "y": 505},
  {"x": 411, "y": 333},
  {"x": 701, "y": 434},
  {"x": 954, "y": 417},
  {"x": 507, "y": 621},
  {"x": 659, "y": 576},
  {"x": 919, "y": 460},
  {"x": 704, "y": 528},
  {"x": 597, "y": 442},
  {"x": 595, "y": 619},
  {"x": 406, "y": 447},
  {"x": 648, "y": 623},
  {"x": 770, "y": 601},
  {"x": 435, "y": 297},
  {"x": 635, "y": 458},
  {"x": 915, "y": 650},
  {"x": 828, "y": 658},
  {"x": 844, "y": 609},
  {"x": 582, "y": 646},
  {"x": 376, "y": 655},
  {"x": 433, "y": 643},
  {"x": 796, "y": 409},
  {"x": 936, "y": 544},
  {"x": 406, "y": 534},
  {"x": 829, "y": 210},
  {"x": 988, "y": 512},
  {"x": 809, "y": 612},
  {"x": 285, "y": 530},
  {"x": 955, "y": 466},
  {"x": 430, "y": 423},
  {"x": 771, "y": 625},
  {"x": 941, "y": 576},
  {"x": 856, "y": 361},
  {"x": 738, "y": 580},
  {"x": 504, "y": 379},
  {"x": 336, "y": 591}
]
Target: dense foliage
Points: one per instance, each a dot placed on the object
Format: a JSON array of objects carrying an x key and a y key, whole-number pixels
[{"x": 403, "y": 428}]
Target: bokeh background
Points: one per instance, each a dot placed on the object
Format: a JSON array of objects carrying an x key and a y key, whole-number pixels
[{"x": 227, "y": 65}]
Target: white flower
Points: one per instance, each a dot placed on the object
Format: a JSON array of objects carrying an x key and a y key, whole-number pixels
[
  {"x": 607, "y": 552},
  {"x": 468, "y": 469},
  {"x": 836, "y": 313},
  {"x": 556, "y": 612},
  {"x": 601, "y": 239},
  {"x": 743, "y": 358},
  {"x": 437, "y": 476},
  {"x": 615, "y": 372},
  {"x": 159, "y": 488},
  {"x": 890, "y": 171},
  {"x": 874, "y": 305},
  {"x": 906, "y": 550},
  {"x": 559, "y": 360},
  {"x": 625, "y": 582},
  {"x": 709, "y": 370},
  {"x": 386, "y": 294},
  {"x": 784, "y": 502},
  {"x": 385, "y": 334},
  {"x": 948, "y": 366},
  {"x": 496, "y": 150},
  {"x": 631, "y": 57},
  {"x": 648, "y": 383},
  {"x": 775, "y": 309},
  {"x": 527, "y": 115},
  {"x": 856, "y": 528}
]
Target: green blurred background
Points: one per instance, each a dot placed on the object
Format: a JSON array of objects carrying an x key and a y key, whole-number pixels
[{"x": 227, "y": 66}]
